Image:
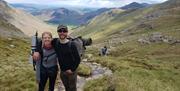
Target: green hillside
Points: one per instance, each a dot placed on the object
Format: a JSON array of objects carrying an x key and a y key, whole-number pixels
[
  {"x": 16, "y": 74},
  {"x": 143, "y": 44},
  {"x": 144, "y": 48},
  {"x": 116, "y": 21}
]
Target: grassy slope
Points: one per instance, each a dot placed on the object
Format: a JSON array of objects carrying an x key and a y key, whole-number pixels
[
  {"x": 140, "y": 68},
  {"x": 16, "y": 74},
  {"x": 27, "y": 23},
  {"x": 136, "y": 67}
]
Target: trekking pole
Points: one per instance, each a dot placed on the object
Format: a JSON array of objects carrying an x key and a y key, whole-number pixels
[{"x": 34, "y": 43}]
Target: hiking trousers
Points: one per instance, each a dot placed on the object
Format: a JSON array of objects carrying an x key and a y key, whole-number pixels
[
  {"x": 46, "y": 73},
  {"x": 69, "y": 81}
]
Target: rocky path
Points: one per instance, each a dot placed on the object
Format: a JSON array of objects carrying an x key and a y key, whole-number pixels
[{"x": 97, "y": 71}]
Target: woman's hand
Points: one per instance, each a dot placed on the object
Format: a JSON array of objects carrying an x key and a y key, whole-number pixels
[{"x": 36, "y": 56}]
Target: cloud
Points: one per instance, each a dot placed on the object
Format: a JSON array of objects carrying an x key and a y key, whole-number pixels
[{"x": 87, "y": 3}]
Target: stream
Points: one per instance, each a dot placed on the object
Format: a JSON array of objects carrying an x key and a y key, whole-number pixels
[{"x": 97, "y": 72}]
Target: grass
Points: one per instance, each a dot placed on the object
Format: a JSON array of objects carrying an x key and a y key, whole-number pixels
[
  {"x": 138, "y": 67},
  {"x": 84, "y": 70},
  {"x": 16, "y": 74}
]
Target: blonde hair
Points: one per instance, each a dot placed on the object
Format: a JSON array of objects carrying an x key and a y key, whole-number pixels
[{"x": 48, "y": 33}]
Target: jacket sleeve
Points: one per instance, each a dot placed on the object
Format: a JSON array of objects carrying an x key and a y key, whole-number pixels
[
  {"x": 54, "y": 42},
  {"x": 76, "y": 57}
]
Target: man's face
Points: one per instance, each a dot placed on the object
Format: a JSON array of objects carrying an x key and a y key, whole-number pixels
[{"x": 63, "y": 33}]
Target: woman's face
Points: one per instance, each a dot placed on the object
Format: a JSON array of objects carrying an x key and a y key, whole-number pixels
[{"x": 46, "y": 38}]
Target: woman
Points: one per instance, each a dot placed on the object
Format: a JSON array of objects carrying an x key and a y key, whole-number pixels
[{"x": 47, "y": 66}]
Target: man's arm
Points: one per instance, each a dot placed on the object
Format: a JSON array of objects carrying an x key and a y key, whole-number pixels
[
  {"x": 36, "y": 54},
  {"x": 76, "y": 56},
  {"x": 53, "y": 42}
]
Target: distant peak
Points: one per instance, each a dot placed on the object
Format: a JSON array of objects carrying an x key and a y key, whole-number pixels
[{"x": 135, "y": 5}]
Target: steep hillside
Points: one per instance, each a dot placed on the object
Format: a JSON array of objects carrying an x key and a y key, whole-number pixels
[
  {"x": 133, "y": 21},
  {"x": 98, "y": 24},
  {"x": 9, "y": 30},
  {"x": 144, "y": 48},
  {"x": 16, "y": 74},
  {"x": 22, "y": 20}
]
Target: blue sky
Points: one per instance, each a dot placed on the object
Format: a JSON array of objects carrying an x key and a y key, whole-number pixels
[{"x": 87, "y": 3}]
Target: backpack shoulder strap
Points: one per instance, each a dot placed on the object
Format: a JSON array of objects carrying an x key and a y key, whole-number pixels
[
  {"x": 47, "y": 57},
  {"x": 70, "y": 49},
  {"x": 70, "y": 44}
]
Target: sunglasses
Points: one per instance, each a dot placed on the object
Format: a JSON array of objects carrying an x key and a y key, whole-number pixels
[{"x": 62, "y": 30}]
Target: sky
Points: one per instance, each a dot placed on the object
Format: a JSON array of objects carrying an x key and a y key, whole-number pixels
[{"x": 86, "y": 3}]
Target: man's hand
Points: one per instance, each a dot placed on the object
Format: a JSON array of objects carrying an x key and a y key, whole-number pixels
[
  {"x": 69, "y": 72},
  {"x": 36, "y": 56}
]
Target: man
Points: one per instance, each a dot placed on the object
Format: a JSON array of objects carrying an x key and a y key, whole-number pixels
[
  {"x": 103, "y": 51},
  {"x": 68, "y": 58}
]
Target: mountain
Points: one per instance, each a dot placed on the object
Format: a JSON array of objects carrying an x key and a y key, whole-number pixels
[
  {"x": 59, "y": 15},
  {"x": 110, "y": 22},
  {"x": 90, "y": 15},
  {"x": 25, "y": 7},
  {"x": 56, "y": 15},
  {"x": 135, "y": 5},
  {"x": 23, "y": 21},
  {"x": 30, "y": 7},
  {"x": 66, "y": 16},
  {"x": 98, "y": 24},
  {"x": 7, "y": 29}
]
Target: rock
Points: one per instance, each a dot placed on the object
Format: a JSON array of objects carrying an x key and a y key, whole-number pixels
[
  {"x": 89, "y": 56},
  {"x": 165, "y": 40},
  {"x": 157, "y": 38},
  {"x": 10, "y": 39},
  {"x": 98, "y": 64},
  {"x": 147, "y": 26},
  {"x": 143, "y": 41},
  {"x": 177, "y": 41},
  {"x": 84, "y": 60},
  {"x": 108, "y": 72},
  {"x": 94, "y": 63},
  {"x": 12, "y": 46},
  {"x": 98, "y": 71}
]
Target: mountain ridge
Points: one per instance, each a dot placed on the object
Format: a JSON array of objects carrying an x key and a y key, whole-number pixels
[
  {"x": 135, "y": 5},
  {"x": 25, "y": 22}
]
